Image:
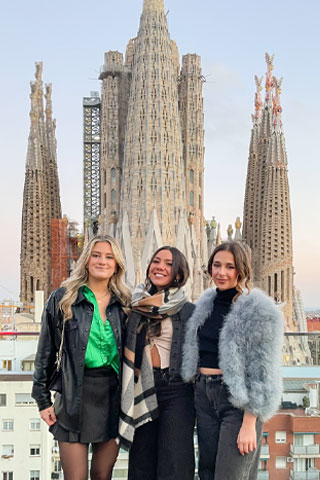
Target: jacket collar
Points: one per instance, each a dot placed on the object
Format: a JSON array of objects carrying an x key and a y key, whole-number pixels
[
  {"x": 204, "y": 307},
  {"x": 82, "y": 298}
]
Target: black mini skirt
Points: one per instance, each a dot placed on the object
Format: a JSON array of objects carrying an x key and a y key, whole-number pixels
[{"x": 100, "y": 409}]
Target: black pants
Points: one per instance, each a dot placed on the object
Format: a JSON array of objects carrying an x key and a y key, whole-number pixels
[
  {"x": 218, "y": 425},
  {"x": 163, "y": 449}
]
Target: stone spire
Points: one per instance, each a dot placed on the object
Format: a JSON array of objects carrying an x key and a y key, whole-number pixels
[
  {"x": 237, "y": 235},
  {"x": 153, "y": 169},
  {"x": 267, "y": 215},
  {"x": 153, "y": 6},
  {"x": 52, "y": 167},
  {"x": 219, "y": 239},
  {"x": 276, "y": 232},
  {"x": 41, "y": 201},
  {"x": 152, "y": 150},
  {"x": 250, "y": 208}
]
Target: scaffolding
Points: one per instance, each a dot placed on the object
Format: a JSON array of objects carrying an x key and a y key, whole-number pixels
[{"x": 91, "y": 160}]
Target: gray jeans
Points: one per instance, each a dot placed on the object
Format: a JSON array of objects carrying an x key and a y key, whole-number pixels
[{"x": 218, "y": 424}]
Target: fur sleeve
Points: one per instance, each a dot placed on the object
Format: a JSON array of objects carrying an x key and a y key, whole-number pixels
[
  {"x": 190, "y": 349},
  {"x": 253, "y": 337}
]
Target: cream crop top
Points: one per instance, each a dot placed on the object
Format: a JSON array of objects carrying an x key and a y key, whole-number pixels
[{"x": 163, "y": 342}]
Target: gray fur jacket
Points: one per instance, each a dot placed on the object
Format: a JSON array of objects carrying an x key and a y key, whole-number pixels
[{"x": 249, "y": 350}]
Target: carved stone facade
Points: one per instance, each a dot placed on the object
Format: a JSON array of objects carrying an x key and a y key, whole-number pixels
[
  {"x": 41, "y": 199},
  {"x": 267, "y": 215},
  {"x": 152, "y": 148}
]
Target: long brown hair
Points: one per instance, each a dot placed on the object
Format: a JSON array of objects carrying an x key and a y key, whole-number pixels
[
  {"x": 242, "y": 258},
  {"x": 80, "y": 275}
]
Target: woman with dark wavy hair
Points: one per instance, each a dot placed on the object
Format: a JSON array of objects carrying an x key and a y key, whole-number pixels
[
  {"x": 233, "y": 350},
  {"x": 157, "y": 407},
  {"x": 83, "y": 324}
]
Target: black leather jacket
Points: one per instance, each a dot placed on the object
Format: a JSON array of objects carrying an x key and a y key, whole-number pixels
[
  {"x": 179, "y": 321},
  {"x": 68, "y": 404}
]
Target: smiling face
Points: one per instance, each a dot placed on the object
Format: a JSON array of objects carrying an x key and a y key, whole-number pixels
[
  {"x": 224, "y": 272},
  {"x": 160, "y": 270},
  {"x": 102, "y": 264}
]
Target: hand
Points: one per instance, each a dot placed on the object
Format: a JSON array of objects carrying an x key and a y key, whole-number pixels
[
  {"x": 247, "y": 438},
  {"x": 48, "y": 416}
]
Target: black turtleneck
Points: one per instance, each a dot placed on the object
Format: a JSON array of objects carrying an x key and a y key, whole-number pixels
[{"x": 210, "y": 332}]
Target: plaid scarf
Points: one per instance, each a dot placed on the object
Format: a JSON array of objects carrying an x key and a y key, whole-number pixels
[{"x": 138, "y": 397}]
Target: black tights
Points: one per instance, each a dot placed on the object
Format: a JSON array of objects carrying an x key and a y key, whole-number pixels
[{"x": 74, "y": 460}]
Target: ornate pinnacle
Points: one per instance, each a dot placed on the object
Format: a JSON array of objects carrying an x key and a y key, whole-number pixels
[
  {"x": 238, "y": 223},
  {"x": 257, "y": 102},
  {"x": 48, "y": 99},
  {"x": 269, "y": 78},
  {"x": 152, "y": 5},
  {"x": 276, "y": 103},
  {"x": 269, "y": 60},
  {"x": 38, "y": 73}
]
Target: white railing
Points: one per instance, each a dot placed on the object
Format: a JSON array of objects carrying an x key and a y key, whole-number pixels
[
  {"x": 304, "y": 449},
  {"x": 308, "y": 475}
]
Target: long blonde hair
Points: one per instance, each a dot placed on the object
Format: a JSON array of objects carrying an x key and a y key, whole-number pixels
[
  {"x": 242, "y": 259},
  {"x": 80, "y": 275}
]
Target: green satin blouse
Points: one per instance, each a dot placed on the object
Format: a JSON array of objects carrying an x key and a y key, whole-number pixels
[{"x": 102, "y": 348}]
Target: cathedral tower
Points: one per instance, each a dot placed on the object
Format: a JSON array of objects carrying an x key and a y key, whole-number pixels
[
  {"x": 267, "y": 216},
  {"x": 153, "y": 170},
  {"x": 41, "y": 200},
  {"x": 152, "y": 148}
]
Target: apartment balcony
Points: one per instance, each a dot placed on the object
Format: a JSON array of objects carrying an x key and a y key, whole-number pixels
[
  {"x": 312, "y": 474},
  {"x": 264, "y": 452},
  {"x": 304, "y": 451},
  {"x": 263, "y": 475}
]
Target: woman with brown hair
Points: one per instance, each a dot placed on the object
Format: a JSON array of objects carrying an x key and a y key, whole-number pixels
[
  {"x": 82, "y": 325},
  {"x": 157, "y": 407},
  {"x": 232, "y": 348}
]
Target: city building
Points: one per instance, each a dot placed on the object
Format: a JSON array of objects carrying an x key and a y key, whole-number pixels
[
  {"x": 291, "y": 439},
  {"x": 313, "y": 323},
  {"x": 152, "y": 148}
]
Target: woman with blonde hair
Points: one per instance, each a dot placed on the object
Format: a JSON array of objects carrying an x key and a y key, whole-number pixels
[
  {"x": 232, "y": 349},
  {"x": 82, "y": 330}
]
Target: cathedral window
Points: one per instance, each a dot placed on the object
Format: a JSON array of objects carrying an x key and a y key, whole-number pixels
[
  {"x": 153, "y": 136},
  {"x": 113, "y": 197},
  {"x": 113, "y": 175},
  {"x": 104, "y": 177},
  {"x": 153, "y": 183},
  {"x": 191, "y": 199},
  {"x": 192, "y": 177}
]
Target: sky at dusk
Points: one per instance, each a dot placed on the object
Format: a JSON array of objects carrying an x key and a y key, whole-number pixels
[{"x": 70, "y": 37}]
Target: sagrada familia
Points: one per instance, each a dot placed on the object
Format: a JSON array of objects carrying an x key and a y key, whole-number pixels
[{"x": 144, "y": 168}]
